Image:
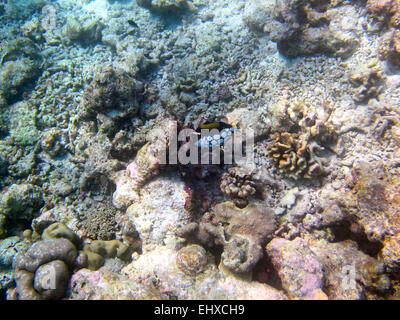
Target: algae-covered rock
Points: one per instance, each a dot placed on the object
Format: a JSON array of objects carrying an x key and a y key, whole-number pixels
[
  {"x": 20, "y": 65},
  {"x": 21, "y": 202},
  {"x": 4, "y": 127},
  {"x": 304, "y": 27},
  {"x": 111, "y": 90},
  {"x": 20, "y": 9},
  {"x": 9, "y": 248},
  {"x": 87, "y": 32},
  {"x": 23, "y": 129},
  {"x": 2, "y": 225}
]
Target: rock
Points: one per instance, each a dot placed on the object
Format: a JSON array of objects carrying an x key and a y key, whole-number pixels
[
  {"x": 9, "y": 248},
  {"x": 160, "y": 210},
  {"x": 350, "y": 273},
  {"x": 299, "y": 269},
  {"x": 210, "y": 284},
  {"x": 254, "y": 121},
  {"x": 20, "y": 66},
  {"x": 23, "y": 124},
  {"x": 109, "y": 90},
  {"x": 192, "y": 259}
]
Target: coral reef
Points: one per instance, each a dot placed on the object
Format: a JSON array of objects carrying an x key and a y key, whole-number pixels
[
  {"x": 373, "y": 203},
  {"x": 92, "y": 203},
  {"x": 20, "y": 65},
  {"x": 298, "y": 268},
  {"x": 350, "y": 273},
  {"x": 321, "y": 270},
  {"x": 86, "y": 33},
  {"x": 9, "y": 248},
  {"x": 110, "y": 89},
  {"x": 390, "y": 47},
  {"x": 192, "y": 259}
]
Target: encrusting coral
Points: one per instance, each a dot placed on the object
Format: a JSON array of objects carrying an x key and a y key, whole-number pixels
[{"x": 241, "y": 233}]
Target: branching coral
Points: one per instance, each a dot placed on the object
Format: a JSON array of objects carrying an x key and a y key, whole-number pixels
[{"x": 238, "y": 185}]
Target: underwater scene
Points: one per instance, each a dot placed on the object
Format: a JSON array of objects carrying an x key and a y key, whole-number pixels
[{"x": 203, "y": 149}]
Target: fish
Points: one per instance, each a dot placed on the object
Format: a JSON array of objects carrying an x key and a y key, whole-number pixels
[
  {"x": 133, "y": 23},
  {"x": 215, "y": 125}
]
